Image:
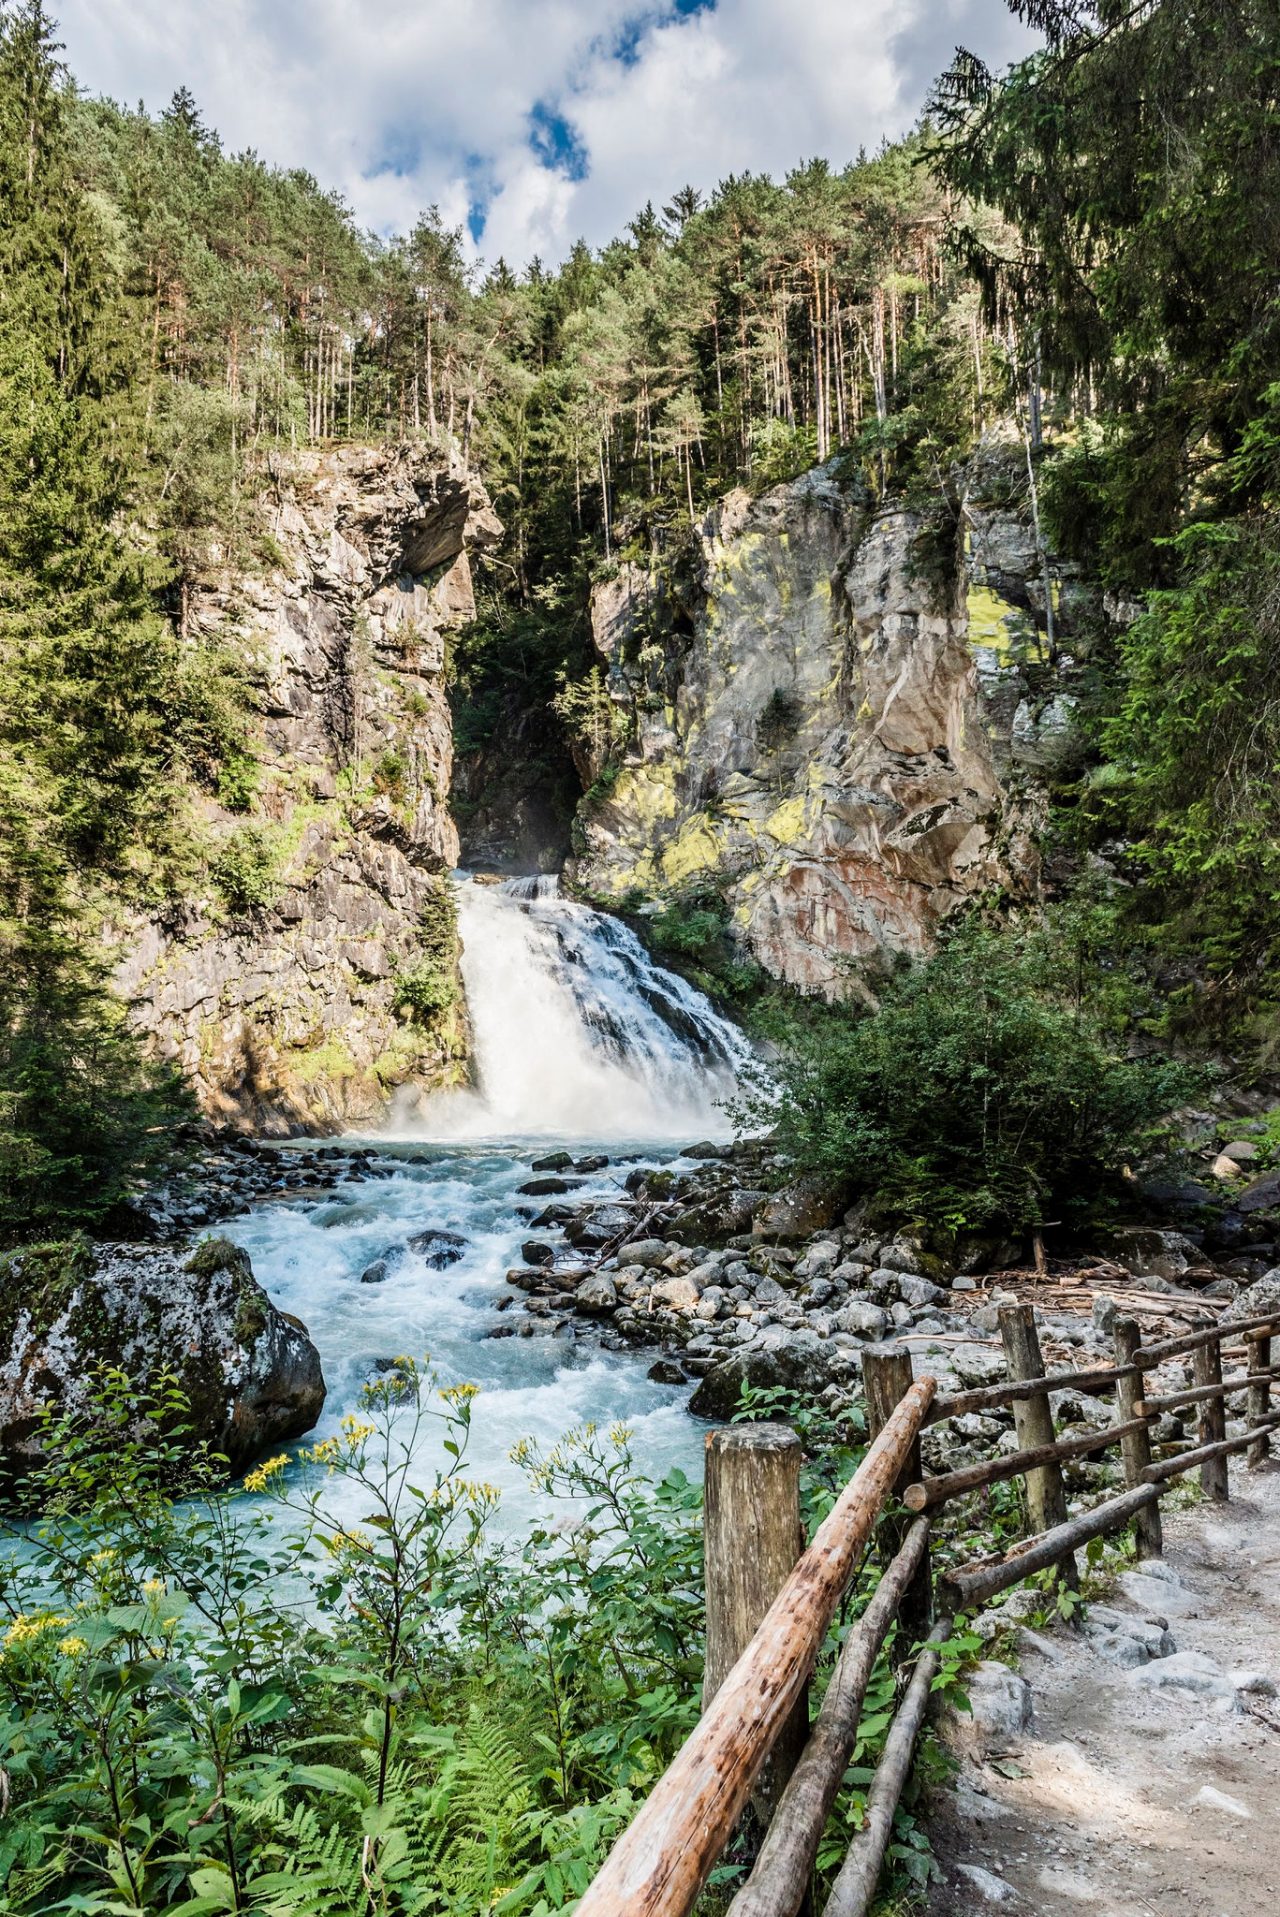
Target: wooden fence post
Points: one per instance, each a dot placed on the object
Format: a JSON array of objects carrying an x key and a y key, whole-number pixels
[
  {"x": 752, "y": 1536},
  {"x": 1033, "y": 1424},
  {"x": 1136, "y": 1448},
  {"x": 1207, "y": 1364},
  {"x": 886, "y": 1379},
  {"x": 1257, "y": 1346}
]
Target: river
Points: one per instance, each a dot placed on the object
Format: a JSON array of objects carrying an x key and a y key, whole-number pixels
[{"x": 580, "y": 1043}]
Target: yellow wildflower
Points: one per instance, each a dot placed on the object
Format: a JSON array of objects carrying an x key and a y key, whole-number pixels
[
  {"x": 155, "y": 1588},
  {"x": 355, "y": 1431},
  {"x": 259, "y": 1479},
  {"x": 72, "y": 1646},
  {"x": 460, "y": 1394}
]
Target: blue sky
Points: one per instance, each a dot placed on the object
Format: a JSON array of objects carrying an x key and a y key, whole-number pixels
[{"x": 533, "y": 122}]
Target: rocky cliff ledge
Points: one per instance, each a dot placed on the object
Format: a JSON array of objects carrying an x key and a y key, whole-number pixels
[
  {"x": 808, "y": 731},
  {"x": 310, "y": 975}
]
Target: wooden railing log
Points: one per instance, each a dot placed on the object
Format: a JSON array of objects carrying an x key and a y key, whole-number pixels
[
  {"x": 663, "y": 1858},
  {"x": 961, "y": 1589},
  {"x": 886, "y": 1380},
  {"x": 1196, "y": 1394},
  {"x": 1207, "y": 1363},
  {"x": 931, "y": 1492},
  {"x": 1033, "y": 1424},
  {"x": 1152, "y": 1355},
  {"x": 782, "y": 1870},
  {"x": 752, "y": 1536},
  {"x": 1135, "y": 1444},
  {"x": 1258, "y": 1403},
  {"x": 854, "y": 1888},
  {"x": 992, "y": 1397},
  {"x": 1224, "y": 1448}
]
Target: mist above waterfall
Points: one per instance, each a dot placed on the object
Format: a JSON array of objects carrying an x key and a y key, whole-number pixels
[{"x": 576, "y": 1032}]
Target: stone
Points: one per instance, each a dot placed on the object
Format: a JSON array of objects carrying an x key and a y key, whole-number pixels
[
  {"x": 674, "y": 1294},
  {"x": 1153, "y": 1595},
  {"x": 600, "y": 1226},
  {"x": 1242, "y": 1150},
  {"x": 665, "y": 1372},
  {"x": 553, "y": 1162},
  {"x": 999, "y": 1702},
  {"x": 535, "y": 1251},
  {"x": 918, "y": 1292},
  {"x": 1207, "y": 1798},
  {"x": 250, "y": 1372},
  {"x": 376, "y": 1273},
  {"x": 1226, "y": 1168},
  {"x": 1148, "y": 1253},
  {"x": 977, "y": 1364},
  {"x": 863, "y": 1320},
  {"x": 1261, "y": 1195},
  {"x": 794, "y": 1361},
  {"x": 545, "y": 1187},
  {"x": 596, "y": 1163},
  {"x": 1185, "y": 1671},
  {"x": 439, "y": 1249},
  {"x": 596, "y": 1295},
  {"x": 991, "y": 1888},
  {"x": 645, "y": 1251},
  {"x": 1105, "y": 1312}
]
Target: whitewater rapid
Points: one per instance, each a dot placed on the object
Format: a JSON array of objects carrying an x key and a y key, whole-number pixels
[
  {"x": 578, "y": 1038},
  {"x": 577, "y": 1034}
]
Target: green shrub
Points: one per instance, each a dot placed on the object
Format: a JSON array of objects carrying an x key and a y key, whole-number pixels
[
  {"x": 989, "y": 1087},
  {"x": 245, "y": 869},
  {"x": 425, "y": 991}
]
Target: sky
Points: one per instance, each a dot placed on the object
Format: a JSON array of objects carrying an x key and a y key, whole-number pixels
[{"x": 533, "y": 123}]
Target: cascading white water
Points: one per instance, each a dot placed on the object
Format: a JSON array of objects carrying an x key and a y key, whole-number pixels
[
  {"x": 576, "y": 1032},
  {"x": 578, "y": 1036}
]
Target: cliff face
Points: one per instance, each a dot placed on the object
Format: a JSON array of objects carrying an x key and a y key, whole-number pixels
[
  {"x": 811, "y": 732},
  {"x": 284, "y": 988}
]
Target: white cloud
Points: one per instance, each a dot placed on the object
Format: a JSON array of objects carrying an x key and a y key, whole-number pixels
[{"x": 401, "y": 104}]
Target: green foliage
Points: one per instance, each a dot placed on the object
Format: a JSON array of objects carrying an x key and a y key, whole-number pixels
[
  {"x": 246, "y": 868},
  {"x": 987, "y": 1088},
  {"x": 430, "y": 986},
  {"x": 1194, "y": 747}
]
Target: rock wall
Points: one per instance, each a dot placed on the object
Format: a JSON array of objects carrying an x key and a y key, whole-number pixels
[
  {"x": 809, "y": 732},
  {"x": 276, "y": 985}
]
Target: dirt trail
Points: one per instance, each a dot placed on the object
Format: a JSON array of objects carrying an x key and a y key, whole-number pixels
[{"x": 1138, "y": 1794}]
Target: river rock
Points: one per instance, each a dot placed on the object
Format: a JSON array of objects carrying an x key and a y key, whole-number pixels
[
  {"x": 377, "y": 1273},
  {"x": 599, "y": 1227},
  {"x": 535, "y": 1252},
  {"x": 553, "y": 1162},
  {"x": 797, "y": 1361},
  {"x": 437, "y": 1248},
  {"x": 863, "y": 1320},
  {"x": 250, "y": 1372},
  {"x": 545, "y": 1187},
  {"x": 597, "y": 1295},
  {"x": 645, "y": 1251},
  {"x": 674, "y": 1294}
]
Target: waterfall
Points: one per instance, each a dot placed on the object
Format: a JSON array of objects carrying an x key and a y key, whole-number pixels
[{"x": 576, "y": 1032}]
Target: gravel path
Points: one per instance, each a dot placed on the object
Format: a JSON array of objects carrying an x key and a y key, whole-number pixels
[{"x": 1148, "y": 1789}]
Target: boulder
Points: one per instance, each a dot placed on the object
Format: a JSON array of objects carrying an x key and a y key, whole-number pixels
[
  {"x": 796, "y": 1361},
  {"x": 799, "y": 1210},
  {"x": 862, "y": 1320},
  {"x": 597, "y": 1295},
  {"x": 553, "y": 1162},
  {"x": 535, "y": 1252},
  {"x": 545, "y": 1187},
  {"x": 599, "y": 1227},
  {"x": 674, "y": 1294},
  {"x": 1261, "y": 1195},
  {"x": 377, "y": 1273},
  {"x": 250, "y": 1372},
  {"x": 439, "y": 1249}
]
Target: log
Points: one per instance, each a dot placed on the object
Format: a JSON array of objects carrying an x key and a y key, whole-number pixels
[
  {"x": 1207, "y": 1363},
  {"x": 1258, "y": 1403},
  {"x": 1033, "y": 1423},
  {"x": 930, "y": 1492},
  {"x": 781, "y": 1875},
  {"x": 964, "y": 1588},
  {"x": 661, "y": 1861},
  {"x": 1135, "y": 1445},
  {"x": 886, "y": 1380},
  {"x": 1188, "y": 1460},
  {"x": 1152, "y": 1355},
  {"x": 752, "y": 1536},
  {"x": 1196, "y": 1394},
  {"x": 992, "y": 1397},
  {"x": 855, "y": 1887}
]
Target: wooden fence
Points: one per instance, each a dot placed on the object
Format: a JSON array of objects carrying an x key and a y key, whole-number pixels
[{"x": 770, "y": 1599}]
